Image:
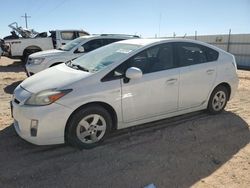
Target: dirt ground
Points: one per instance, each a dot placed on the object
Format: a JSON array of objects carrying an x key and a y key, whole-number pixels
[{"x": 194, "y": 150}]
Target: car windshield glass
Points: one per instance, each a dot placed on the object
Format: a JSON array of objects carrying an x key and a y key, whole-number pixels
[
  {"x": 102, "y": 57},
  {"x": 70, "y": 45}
]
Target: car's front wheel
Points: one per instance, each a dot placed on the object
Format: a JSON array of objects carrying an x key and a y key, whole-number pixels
[
  {"x": 218, "y": 100},
  {"x": 88, "y": 127}
]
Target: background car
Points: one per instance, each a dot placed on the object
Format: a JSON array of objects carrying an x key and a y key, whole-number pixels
[
  {"x": 123, "y": 84},
  {"x": 45, "y": 59}
]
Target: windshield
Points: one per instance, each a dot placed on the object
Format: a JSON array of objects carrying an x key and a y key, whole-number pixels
[
  {"x": 70, "y": 45},
  {"x": 102, "y": 57}
]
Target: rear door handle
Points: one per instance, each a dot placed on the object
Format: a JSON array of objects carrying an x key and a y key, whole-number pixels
[
  {"x": 172, "y": 81},
  {"x": 210, "y": 71}
]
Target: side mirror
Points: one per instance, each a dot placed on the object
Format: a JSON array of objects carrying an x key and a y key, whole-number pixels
[
  {"x": 80, "y": 49},
  {"x": 133, "y": 73}
]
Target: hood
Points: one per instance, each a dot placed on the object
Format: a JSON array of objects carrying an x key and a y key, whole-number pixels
[
  {"x": 47, "y": 53},
  {"x": 54, "y": 77}
]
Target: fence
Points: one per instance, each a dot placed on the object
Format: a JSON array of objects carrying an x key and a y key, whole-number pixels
[{"x": 236, "y": 44}]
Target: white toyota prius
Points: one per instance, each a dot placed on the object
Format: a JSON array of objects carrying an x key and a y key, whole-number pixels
[{"x": 120, "y": 85}]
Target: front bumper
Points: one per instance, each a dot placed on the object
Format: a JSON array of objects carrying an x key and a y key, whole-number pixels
[{"x": 51, "y": 122}]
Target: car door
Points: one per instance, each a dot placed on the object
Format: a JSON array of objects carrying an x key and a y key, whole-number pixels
[
  {"x": 156, "y": 93},
  {"x": 197, "y": 74}
]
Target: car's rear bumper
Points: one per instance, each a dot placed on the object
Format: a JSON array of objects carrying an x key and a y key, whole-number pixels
[{"x": 234, "y": 86}]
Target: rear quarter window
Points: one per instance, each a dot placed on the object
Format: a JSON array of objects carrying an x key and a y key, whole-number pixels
[{"x": 212, "y": 55}]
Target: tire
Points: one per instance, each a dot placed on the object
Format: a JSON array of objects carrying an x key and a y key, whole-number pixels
[
  {"x": 26, "y": 54},
  {"x": 218, "y": 100},
  {"x": 88, "y": 127},
  {"x": 26, "y": 57}
]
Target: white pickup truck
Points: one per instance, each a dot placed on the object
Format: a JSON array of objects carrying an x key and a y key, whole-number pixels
[{"x": 31, "y": 42}]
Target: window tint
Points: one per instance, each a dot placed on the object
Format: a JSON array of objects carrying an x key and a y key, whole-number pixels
[
  {"x": 92, "y": 45},
  {"x": 109, "y": 41},
  {"x": 190, "y": 54},
  {"x": 154, "y": 59},
  {"x": 68, "y": 35},
  {"x": 212, "y": 55},
  {"x": 151, "y": 60}
]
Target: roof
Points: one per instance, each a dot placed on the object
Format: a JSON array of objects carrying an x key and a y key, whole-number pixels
[
  {"x": 145, "y": 42},
  {"x": 142, "y": 42},
  {"x": 112, "y": 36}
]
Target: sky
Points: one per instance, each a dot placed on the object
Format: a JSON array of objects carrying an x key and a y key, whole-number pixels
[{"x": 147, "y": 18}]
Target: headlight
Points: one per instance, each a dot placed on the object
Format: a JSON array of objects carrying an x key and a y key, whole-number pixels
[
  {"x": 46, "y": 97},
  {"x": 36, "y": 61}
]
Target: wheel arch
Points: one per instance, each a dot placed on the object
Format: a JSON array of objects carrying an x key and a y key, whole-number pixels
[
  {"x": 33, "y": 47},
  {"x": 106, "y": 106},
  {"x": 227, "y": 86}
]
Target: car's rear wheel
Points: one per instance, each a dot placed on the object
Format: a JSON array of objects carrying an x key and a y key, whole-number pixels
[
  {"x": 218, "y": 100},
  {"x": 88, "y": 127}
]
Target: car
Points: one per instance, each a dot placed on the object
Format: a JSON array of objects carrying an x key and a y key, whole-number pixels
[
  {"x": 22, "y": 42},
  {"x": 74, "y": 49},
  {"x": 120, "y": 85}
]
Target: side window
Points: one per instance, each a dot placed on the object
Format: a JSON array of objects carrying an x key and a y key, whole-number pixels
[
  {"x": 68, "y": 35},
  {"x": 154, "y": 59},
  {"x": 140, "y": 61},
  {"x": 190, "y": 54},
  {"x": 212, "y": 55},
  {"x": 109, "y": 41},
  {"x": 164, "y": 59},
  {"x": 92, "y": 45}
]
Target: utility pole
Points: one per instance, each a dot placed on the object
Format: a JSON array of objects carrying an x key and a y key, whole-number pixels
[
  {"x": 159, "y": 31},
  {"x": 228, "y": 40},
  {"x": 26, "y": 19}
]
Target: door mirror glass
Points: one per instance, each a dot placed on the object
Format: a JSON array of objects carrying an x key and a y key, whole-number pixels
[
  {"x": 80, "y": 49},
  {"x": 133, "y": 73}
]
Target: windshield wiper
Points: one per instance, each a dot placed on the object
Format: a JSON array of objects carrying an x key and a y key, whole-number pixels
[
  {"x": 80, "y": 67},
  {"x": 70, "y": 64}
]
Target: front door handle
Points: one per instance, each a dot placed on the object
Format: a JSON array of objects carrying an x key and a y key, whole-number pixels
[
  {"x": 210, "y": 71},
  {"x": 172, "y": 81}
]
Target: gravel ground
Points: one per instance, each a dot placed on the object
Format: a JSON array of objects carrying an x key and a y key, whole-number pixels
[{"x": 193, "y": 150}]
